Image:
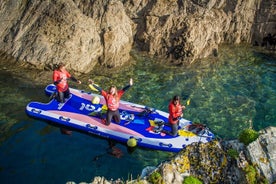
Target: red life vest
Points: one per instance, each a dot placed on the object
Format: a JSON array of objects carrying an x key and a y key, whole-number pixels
[
  {"x": 175, "y": 111},
  {"x": 111, "y": 101},
  {"x": 62, "y": 85}
]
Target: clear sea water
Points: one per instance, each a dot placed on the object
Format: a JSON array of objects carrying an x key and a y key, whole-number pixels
[{"x": 226, "y": 92}]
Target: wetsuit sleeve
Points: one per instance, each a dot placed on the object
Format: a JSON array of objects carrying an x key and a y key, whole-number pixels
[
  {"x": 73, "y": 79},
  {"x": 58, "y": 81},
  {"x": 126, "y": 88}
]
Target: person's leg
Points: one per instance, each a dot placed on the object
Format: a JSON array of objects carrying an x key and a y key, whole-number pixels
[
  {"x": 116, "y": 116},
  {"x": 172, "y": 132},
  {"x": 60, "y": 97},
  {"x": 66, "y": 93},
  {"x": 174, "y": 129},
  {"x": 109, "y": 116}
]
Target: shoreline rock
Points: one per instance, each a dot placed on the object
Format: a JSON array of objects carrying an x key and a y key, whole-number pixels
[
  {"x": 83, "y": 34},
  {"x": 213, "y": 163}
]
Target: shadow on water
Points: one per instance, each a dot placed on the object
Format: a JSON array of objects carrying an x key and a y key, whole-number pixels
[{"x": 226, "y": 93}]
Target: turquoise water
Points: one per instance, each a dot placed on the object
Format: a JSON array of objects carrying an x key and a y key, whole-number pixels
[{"x": 226, "y": 93}]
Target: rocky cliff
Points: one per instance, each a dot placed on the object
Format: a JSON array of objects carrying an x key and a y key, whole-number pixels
[
  {"x": 228, "y": 162},
  {"x": 83, "y": 33}
]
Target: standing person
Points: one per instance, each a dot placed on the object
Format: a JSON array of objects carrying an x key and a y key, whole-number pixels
[
  {"x": 175, "y": 113},
  {"x": 60, "y": 77},
  {"x": 112, "y": 99}
]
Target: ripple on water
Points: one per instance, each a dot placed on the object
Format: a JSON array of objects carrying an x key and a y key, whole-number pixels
[{"x": 225, "y": 93}]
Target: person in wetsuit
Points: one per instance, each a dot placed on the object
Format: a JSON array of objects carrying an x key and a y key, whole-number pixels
[
  {"x": 175, "y": 113},
  {"x": 60, "y": 77},
  {"x": 112, "y": 98}
]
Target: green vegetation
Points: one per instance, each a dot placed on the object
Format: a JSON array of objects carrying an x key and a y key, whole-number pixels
[
  {"x": 156, "y": 178},
  {"x": 191, "y": 180},
  {"x": 233, "y": 153},
  {"x": 251, "y": 174},
  {"x": 248, "y": 135}
]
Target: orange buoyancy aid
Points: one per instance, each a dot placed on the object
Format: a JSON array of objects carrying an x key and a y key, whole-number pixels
[
  {"x": 62, "y": 76},
  {"x": 112, "y": 101},
  {"x": 175, "y": 111}
]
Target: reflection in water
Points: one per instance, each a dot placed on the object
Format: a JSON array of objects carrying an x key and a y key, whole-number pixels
[{"x": 225, "y": 93}]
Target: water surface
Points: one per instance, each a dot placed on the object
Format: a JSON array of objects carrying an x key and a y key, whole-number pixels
[{"x": 227, "y": 93}]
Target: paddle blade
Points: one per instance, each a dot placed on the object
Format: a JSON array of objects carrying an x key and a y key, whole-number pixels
[
  {"x": 188, "y": 102},
  {"x": 92, "y": 87}
]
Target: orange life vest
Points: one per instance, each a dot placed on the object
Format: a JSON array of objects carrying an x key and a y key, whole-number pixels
[
  {"x": 111, "y": 101},
  {"x": 175, "y": 111},
  {"x": 58, "y": 75}
]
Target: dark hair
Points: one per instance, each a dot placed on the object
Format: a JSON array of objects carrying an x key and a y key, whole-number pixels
[
  {"x": 60, "y": 65},
  {"x": 176, "y": 97}
]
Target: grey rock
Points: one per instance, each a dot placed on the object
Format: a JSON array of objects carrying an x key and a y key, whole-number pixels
[
  {"x": 84, "y": 33},
  {"x": 263, "y": 153}
]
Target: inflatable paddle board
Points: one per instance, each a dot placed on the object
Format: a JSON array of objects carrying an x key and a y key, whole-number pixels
[{"x": 139, "y": 126}]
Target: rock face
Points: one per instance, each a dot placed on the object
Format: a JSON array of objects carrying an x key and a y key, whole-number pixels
[
  {"x": 204, "y": 161},
  {"x": 213, "y": 163},
  {"x": 228, "y": 162},
  {"x": 83, "y": 33},
  {"x": 263, "y": 153},
  {"x": 47, "y": 32}
]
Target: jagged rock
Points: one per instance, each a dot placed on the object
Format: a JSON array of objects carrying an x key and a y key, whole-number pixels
[
  {"x": 187, "y": 30},
  {"x": 206, "y": 161},
  {"x": 47, "y": 32},
  {"x": 83, "y": 33},
  {"x": 263, "y": 153},
  {"x": 100, "y": 180},
  {"x": 210, "y": 162},
  {"x": 234, "y": 172}
]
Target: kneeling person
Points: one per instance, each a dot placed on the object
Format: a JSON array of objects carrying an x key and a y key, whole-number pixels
[{"x": 112, "y": 98}]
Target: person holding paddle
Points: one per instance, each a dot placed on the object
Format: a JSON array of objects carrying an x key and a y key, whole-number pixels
[
  {"x": 112, "y": 98},
  {"x": 175, "y": 113},
  {"x": 60, "y": 77}
]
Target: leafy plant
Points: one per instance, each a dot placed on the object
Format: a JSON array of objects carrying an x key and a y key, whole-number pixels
[
  {"x": 248, "y": 135},
  {"x": 251, "y": 174},
  {"x": 233, "y": 153},
  {"x": 191, "y": 180},
  {"x": 155, "y": 178}
]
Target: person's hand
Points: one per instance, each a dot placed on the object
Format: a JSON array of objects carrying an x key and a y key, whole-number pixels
[
  {"x": 79, "y": 81},
  {"x": 131, "y": 81},
  {"x": 90, "y": 81},
  {"x": 183, "y": 107}
]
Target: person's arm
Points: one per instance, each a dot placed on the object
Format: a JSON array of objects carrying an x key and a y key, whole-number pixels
[
  {"x": 128, "y": 86},
  {"x": 74, "y": 79},
  {"x": 92, "y": 85},
  {"x": 57, "y": 81}
]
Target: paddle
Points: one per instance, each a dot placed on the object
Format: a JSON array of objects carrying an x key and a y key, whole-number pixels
[
  {"x": 91, "y": 82},
  {"x": 93, "y": 88},
  {"x": 188, "y": 101}
]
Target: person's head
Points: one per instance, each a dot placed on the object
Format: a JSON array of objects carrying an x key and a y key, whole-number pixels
[
  {"x": 61, "y": 66},
  {"x": 176, "y": 100},
  {"x": 113, "y": 90}
]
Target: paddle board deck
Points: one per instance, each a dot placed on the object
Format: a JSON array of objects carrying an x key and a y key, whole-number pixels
[{"x": 146, "y": 125}]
